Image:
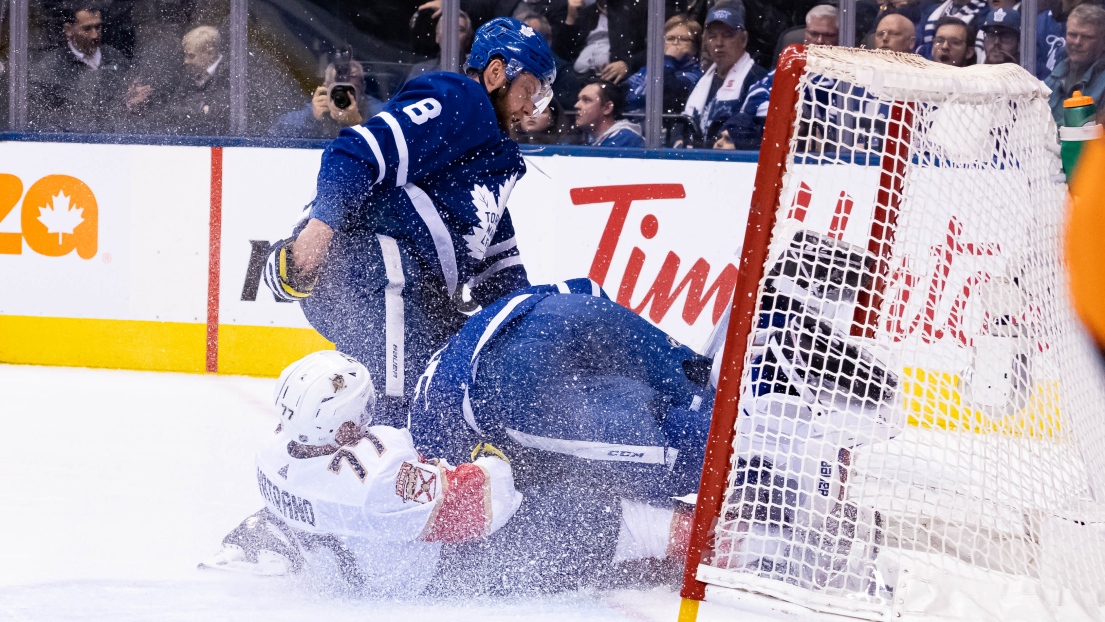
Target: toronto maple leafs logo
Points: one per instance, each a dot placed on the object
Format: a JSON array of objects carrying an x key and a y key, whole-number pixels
[
  {"x": 489, "y": 210},
  {"x": 59, "y": 217},
  {"x": 526, "y": 30}
]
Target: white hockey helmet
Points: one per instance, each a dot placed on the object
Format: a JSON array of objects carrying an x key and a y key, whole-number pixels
[{"x": 318, "y": 393}]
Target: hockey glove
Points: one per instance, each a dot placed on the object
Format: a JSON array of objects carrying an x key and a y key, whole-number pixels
[{"x": 280, "y": 274}]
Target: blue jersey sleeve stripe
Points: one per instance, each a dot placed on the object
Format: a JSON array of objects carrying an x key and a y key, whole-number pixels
[
  {"x": 375, "y": 147},
  {"x": 591, "y": 450},
  {"x": 498, "y": 266},
  {"x": 496, "y": 322},
  {"x": 400, "y": 147},
  {"x": 466, "y": 412},
  {"x": 504, "y": 246},
  {"x": 443, "y": 242}
]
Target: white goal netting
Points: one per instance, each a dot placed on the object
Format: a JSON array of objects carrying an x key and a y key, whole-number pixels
[{"x": 921, "y": 428}]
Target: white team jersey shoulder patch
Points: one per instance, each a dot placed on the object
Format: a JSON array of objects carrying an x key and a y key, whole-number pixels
[
  {"x": 489, "y": 210},
  {"x": 417, "y": 482}
]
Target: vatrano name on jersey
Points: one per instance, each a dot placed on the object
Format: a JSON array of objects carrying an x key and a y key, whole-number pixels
[{"x": 287, "y": 505}]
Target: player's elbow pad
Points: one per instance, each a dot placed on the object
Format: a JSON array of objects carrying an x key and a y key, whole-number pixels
[{"x": 280, "y": 274}]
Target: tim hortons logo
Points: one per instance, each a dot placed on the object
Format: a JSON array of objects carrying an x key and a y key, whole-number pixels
[
  {"x": 662, "y": 294},
  {"x": 949, "y": 276},
  {"x": 59, "y": 215},
  {"x": 901, "y": 319}
]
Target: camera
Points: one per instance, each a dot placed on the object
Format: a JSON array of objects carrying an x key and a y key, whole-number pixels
[{"x": 342, "y": 91}]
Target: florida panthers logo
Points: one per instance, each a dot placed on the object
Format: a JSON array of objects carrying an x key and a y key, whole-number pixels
[
  {"x": 415, "y": 484},
  {"x": 489, "y": 210}
]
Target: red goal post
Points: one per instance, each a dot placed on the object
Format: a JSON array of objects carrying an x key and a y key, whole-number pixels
[
  {"x": 761, "y": 221},
  {"x": 952, "y": 413}
]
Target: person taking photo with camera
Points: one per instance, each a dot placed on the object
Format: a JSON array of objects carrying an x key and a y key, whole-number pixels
[{"x": 340, "y": 102}]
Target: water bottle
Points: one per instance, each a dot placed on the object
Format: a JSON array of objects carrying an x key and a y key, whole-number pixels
[{"x": 1079, "y": 125}]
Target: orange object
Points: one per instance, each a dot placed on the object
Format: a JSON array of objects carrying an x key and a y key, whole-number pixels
[
  {"x": 1086, "y": 239},
  {"x": 1077, "y": 99}
]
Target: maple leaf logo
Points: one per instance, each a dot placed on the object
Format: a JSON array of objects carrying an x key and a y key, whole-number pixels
[
  {"x": 58, "y": 217},
  {"x": 526, "y": 30},
  {"x": 489, "y": 210}
]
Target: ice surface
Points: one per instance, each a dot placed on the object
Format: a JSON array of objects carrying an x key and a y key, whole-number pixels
[{"x": 114, "y": 484}]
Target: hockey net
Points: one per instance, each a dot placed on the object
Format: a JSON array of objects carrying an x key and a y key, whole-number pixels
[{"x": 910, "y": 422}]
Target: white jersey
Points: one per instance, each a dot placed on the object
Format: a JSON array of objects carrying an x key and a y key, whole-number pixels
[{"x": 381, "y": 489}]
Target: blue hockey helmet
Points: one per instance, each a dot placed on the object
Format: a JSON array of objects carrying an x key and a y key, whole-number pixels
[{"x": 521, "y": 48}]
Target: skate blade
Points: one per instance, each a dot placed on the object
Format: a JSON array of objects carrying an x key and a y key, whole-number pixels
[{"x": 270, "y": 565}]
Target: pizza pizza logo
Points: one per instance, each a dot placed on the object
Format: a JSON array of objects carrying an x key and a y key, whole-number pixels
[
  {"x": 59, "y": 215},
  {"x": 415, "y": 484}
]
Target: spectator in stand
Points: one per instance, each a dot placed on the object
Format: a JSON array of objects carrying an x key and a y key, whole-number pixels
[
  {"x": 1084, "y": 68},
  {"x": 822, "y": 26},
  {"x": 599, "y": 117},
  {"x": 969, "y": 12},
  {"x": 201, "y": 105},
  {"x": 980, "y": 36},
  {"x": 157, "y": 67},
  {"x": 77, "y": 87},
  {"x": 953, "y": 42},
  {"x": 895, "y": 33},
  {"x": 604, "y": 39},
  {"x": 682, "y": 69},
  {"x": 321, "y": 118},
  {"x": 566, "y": 85},
  {"x": 725, "y": 141},
  {"x": 434, "y": 64},
  {"x": 912, "y": 9},
  {"x": 1051, "y": 32},
  {"x": 550, "y": 127},
  {"x": 821, "y": 33},
  {"x": 1002, "y": 37},
  {"x": 745, "y": 130},
  {"x": 722, "y": 90}
]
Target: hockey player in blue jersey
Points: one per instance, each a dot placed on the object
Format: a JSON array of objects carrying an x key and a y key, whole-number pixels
[
  {"x": 592, "y": 406},
  {"x": 410, "y": 213},
  {"x": 561, "y": 369}
]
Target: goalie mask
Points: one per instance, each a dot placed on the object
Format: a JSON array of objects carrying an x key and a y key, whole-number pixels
[{"x": 318, "y": 393}]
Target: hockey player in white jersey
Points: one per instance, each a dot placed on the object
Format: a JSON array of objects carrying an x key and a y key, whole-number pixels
[
  {"x": 355, "y": 506},
  {"x": 350, "y": 500}
]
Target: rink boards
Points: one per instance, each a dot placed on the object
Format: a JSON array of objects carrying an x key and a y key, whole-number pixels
[{"x": 161, "y": 268}]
